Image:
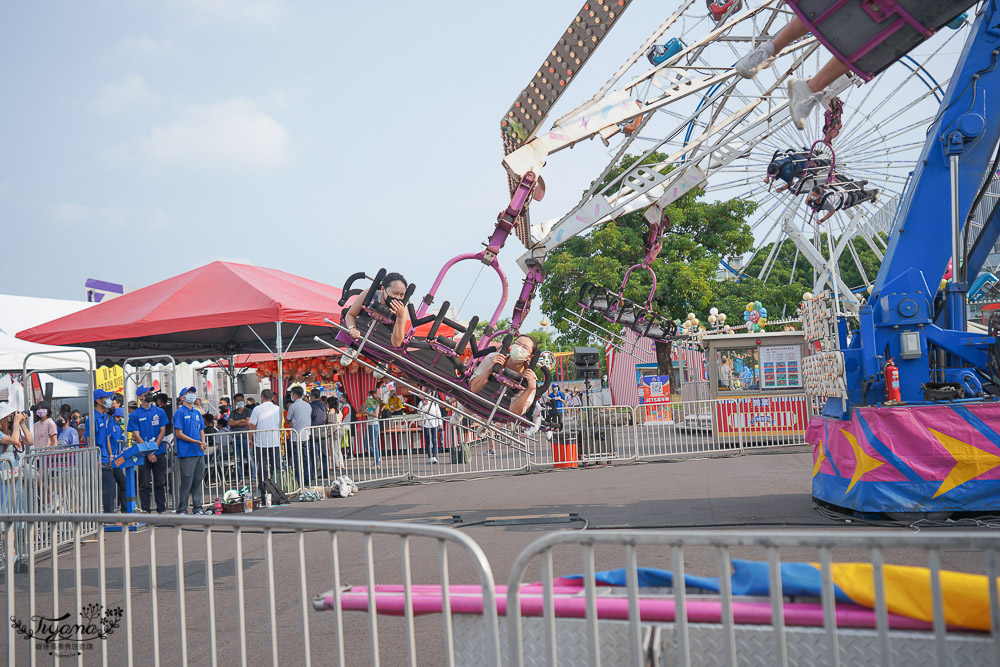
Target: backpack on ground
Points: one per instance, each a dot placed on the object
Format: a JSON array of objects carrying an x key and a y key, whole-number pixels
[
  {"x": 460, "y": 453},
  {"x": 278, "y": 496}
]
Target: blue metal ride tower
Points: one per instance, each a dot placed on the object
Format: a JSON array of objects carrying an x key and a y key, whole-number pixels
[{"x": 938, "y": 448}]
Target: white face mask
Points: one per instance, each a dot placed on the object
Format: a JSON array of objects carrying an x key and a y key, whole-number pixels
[{"x": 519, "y": 353}]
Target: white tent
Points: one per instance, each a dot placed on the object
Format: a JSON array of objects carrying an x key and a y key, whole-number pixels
[
  {"x": 14, "y": 350},
  {"x": 63, "y": 388},
  {"x": 18, "y": 313}
]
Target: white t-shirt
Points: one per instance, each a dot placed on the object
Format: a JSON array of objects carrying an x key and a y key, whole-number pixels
[
  {"x": 266, "y": 417},
  {"x": 486, "y": 366},
  {"x": 432, "y": 414}
]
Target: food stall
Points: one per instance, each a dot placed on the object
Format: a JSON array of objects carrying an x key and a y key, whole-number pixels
[{"x": 756, "y": 382}]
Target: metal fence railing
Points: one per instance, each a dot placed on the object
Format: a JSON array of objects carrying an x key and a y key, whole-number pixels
[
  {"x": 53, "y": 480},
  {"x": 236, "y": 590},
  {"x": 584, "y": 622},
  {"x": 249, "y": 590},
  {"x": 399, "y": 448}
]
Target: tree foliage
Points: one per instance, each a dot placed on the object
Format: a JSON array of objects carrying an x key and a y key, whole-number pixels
[
  {"x": 685, "y": 271},
  {"x": 687, "y": 268}
]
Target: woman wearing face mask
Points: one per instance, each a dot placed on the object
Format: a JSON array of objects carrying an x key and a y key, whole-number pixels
[
  {"x": 517, "y": 360},
  {"x": 45, "y": 432},
  {"x": 391, "y": 293},
  {"x": 14, "y": 436}
]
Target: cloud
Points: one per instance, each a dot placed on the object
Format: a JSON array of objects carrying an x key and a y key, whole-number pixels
[
  {"x": 248, "y": 13},
  {"x": 132, "y": 91},
  {"x": 148, "y": 47},
  {"x": 235, "y": 133},
  {"x": 68, "y": 213}
]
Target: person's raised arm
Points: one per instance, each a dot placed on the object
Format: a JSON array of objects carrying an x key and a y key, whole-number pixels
[
  {"x": 482, "y": 374},
  {"x": 519, "y": 404},
  {"x": 351, "y": 318},
  {"x": 22, "y": 425},
  {"x": 399, "y": 326}
]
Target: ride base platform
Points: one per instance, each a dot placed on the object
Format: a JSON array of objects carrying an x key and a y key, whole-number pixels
[{"x": 920, "y": 458}]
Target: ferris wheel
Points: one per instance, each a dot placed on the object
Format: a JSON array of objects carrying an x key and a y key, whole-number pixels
[{"x": 720, "y": 131}]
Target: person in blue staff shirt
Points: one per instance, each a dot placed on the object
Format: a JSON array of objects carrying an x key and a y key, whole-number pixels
[
  {"x": 557, "y": 397},
  {"x": 148, "y": 423},
  {"x": 102, "y": 437},
  {"x": 115, "y": 418},
  {"x": 189, "y": 438}
]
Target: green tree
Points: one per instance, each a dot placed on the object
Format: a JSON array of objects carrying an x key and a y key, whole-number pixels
[
  {"x": 685, "y": 271},
  {"x": 779, "y": 272}
]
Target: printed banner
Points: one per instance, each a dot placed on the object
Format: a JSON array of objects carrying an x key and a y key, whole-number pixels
[
  {"x": 656, "y": 398},
  {"x": 110, "y": 378},
  {"x": 780, "y": 366},
  {"x": 762, "y": 415},
  {"x": 909, "y": 458}
]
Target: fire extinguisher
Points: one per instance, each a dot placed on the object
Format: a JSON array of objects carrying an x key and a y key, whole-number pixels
[{"x": 892, "y": 394}]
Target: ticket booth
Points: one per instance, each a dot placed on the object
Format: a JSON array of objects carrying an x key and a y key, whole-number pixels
[{"x": 757, "y": 381}]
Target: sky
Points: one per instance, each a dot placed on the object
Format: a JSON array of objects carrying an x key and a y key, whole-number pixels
[{"x": 139, "y": 140}]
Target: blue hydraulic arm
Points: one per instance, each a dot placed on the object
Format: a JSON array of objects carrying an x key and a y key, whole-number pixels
[{"x": 906, "y": 318}]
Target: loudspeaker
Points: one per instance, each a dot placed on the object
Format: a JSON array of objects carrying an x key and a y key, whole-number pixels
[{"x": 587, "y": 362}]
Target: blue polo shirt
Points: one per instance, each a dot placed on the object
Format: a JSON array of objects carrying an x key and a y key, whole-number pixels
[
  {"x": 102, "y": 432},
  {"x": 189, "y": 422},
  {"x": 148, "y": 423}
]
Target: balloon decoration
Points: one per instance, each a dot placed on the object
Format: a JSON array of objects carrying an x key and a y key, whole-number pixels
[
  {"x": 312, "y": 370},
  {"x": 755, "y": 316}
]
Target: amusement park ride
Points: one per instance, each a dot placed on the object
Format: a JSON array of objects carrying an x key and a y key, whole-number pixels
[{"x": 934, "y": 447}]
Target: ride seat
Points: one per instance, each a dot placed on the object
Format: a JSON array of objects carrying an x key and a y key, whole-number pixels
[{"x": 870, "y": 35}]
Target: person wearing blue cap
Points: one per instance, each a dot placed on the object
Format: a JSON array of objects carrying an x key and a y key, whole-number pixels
[
  {"x": 148, "y": 423},
  {"x": 102, "y": 437},
  {"x": 116, "y": 416},
  {"x": 189, "y": 435}
]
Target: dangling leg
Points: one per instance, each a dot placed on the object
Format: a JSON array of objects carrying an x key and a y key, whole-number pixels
[
  {"x": 804, "y": 95},
  {"x": 763, "y": 55}
]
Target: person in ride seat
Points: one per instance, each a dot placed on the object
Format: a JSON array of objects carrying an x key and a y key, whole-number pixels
[
  {"x": 789, "y": 164},
  {"x": 805, "y": 94},
  {"x": 841, "y": 194},
  {"x": 390, "y": 293},
  {"x": 521, "y": 351}
]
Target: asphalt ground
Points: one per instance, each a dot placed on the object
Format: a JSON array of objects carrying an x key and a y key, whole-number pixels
[{"x": 767, "y": 491}]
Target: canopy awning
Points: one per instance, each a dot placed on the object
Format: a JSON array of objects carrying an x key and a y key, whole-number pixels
[{"x": 207, "y": 313}]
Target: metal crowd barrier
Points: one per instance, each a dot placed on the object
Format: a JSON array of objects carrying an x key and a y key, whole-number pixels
[
  {"x": 557, "y": 633},
  {"x": 204, "y": 590},
  {"x": 246, "y": 590},
  {"x": 317, "y": 455},
  {"x": 56, "y": 480}
]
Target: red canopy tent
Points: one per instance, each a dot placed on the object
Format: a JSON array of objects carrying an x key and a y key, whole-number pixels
[{"x": 215, "y": 311}]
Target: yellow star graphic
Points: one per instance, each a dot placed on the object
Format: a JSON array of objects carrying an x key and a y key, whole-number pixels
[
  {"x": 820, "y": 457},
  {"x": 862, "y": 462},
  {"x": 970, "y": 462}
]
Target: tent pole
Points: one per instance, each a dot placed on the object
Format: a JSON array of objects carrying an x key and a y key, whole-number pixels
[
  {"x": 281, "y": 394},
  {"x": 232, "y": 380}
]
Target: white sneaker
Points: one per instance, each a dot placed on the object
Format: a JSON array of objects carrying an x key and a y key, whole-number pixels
[
  {"x": 801, "y": 102},
  {"x": 434, "y": 459},
  {"x": 756, "y": 60}
]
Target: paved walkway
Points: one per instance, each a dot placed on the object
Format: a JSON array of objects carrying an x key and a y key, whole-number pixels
[{"x": 765, "y": 490}]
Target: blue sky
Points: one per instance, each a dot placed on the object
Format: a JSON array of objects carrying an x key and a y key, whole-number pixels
[{"x": 143, "y": 139}]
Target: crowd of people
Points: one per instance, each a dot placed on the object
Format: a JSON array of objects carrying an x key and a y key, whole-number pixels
[{"x": 245, "y": 434}]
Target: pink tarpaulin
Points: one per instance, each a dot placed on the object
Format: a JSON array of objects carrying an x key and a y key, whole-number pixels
[{"x": 909, "y": 458}]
